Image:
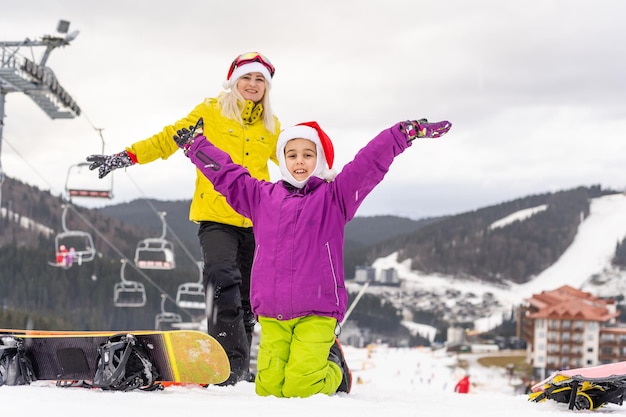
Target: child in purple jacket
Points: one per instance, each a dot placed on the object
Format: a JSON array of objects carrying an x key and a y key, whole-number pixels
[{"x": 297, "y": 284}]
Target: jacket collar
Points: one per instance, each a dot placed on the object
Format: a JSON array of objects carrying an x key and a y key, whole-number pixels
[
  {"x": 251, "y": 112},
  {"x": 312, "y": 184}
]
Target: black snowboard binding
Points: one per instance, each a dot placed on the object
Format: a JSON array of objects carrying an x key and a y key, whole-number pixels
[
  {"x": 581, "y": 394},
  {"x": 15, "y": 367},
  {"x": 124, "y": 365}
]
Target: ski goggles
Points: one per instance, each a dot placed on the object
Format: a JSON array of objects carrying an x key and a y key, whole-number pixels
[{"x": 248, "y": 58}]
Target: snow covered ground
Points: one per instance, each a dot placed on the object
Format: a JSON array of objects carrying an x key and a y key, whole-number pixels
[{"x": 394, "y": 382}]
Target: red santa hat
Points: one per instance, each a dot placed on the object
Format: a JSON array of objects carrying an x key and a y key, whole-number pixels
[{"x": 325, "y": 151}]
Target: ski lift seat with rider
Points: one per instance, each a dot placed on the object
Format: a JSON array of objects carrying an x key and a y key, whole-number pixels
[
  {"x": 191, "y": 294},
  {"x": 82, "y": 242},
  {"x": 128, "y": 293},
  {"x": 155, "y": 253}
]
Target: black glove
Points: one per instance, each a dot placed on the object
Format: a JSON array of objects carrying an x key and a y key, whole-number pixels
[
  {"x": 414, "y": 129},
  {"x": 184, "y": 138},
  {"x": 107, "y": 163}
]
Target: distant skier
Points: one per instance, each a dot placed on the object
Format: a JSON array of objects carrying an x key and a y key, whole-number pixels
[
  {"x": 462, "y": 387},
  {"x": 71, "y": 256},
  {"x": 61, "y": 256}
]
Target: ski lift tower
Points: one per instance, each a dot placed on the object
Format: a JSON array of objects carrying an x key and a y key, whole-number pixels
[{"x": 22, "y": 75}]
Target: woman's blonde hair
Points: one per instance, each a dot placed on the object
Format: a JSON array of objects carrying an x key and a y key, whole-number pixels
[{"x": 232, "y": 102}]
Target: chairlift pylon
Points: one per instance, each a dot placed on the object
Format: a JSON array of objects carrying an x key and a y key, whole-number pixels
[
  {"x": 128, "y": 293},
  {"x": 157, "y": 252},
  {"x": 191, "y": 294},
  {"x": 166, "y": 317},
  {"x": 72, "y": 247}
]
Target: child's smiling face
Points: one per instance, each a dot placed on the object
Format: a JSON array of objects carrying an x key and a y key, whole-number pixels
[{"x": 300, "y": 158}]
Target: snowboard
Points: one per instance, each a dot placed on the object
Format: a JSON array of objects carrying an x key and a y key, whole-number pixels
[
  {"x": 584, "y": 388},
  {"x": 178, "y": 356}
]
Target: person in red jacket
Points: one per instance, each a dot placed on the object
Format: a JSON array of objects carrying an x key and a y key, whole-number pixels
[{"x": 462, "y": 387}]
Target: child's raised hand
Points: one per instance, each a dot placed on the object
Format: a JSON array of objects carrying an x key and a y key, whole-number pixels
[
  {"x": 414, "y": 129},
  {"x": 184, "y": 138}
]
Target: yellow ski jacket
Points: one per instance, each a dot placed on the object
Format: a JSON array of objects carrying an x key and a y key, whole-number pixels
[{"x": 250, "y": 145}]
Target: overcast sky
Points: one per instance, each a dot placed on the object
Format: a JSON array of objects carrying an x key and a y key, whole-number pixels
[{"x": 535, "y": 90}]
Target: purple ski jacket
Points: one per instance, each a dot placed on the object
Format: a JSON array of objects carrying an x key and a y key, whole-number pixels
[{"x": 299, "y": 233}]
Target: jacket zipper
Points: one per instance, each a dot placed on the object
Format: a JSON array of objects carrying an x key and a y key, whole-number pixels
[
  {"x": 254, "y": 257},
  {"x": 332, "y": 268}
]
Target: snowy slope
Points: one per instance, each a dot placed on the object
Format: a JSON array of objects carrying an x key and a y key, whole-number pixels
[{"x": 592, "y": 249}]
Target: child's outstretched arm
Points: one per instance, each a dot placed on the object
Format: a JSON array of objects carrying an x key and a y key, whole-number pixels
[
  {"x": 230, "y": 179},
  {"x": 359, "y": 177}
]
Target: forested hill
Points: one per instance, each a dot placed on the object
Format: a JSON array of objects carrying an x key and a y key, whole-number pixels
[
  {"x": 81, "y": 297},
  {"x": 461, "y": 244}
]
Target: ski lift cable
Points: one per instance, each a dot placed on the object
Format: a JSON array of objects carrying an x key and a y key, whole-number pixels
[
  {"x": 143, "y": 195},
  {"x": 169, "y": 229},
  {"x": 97, "y": 129},
  {"x": 43, "y": 178},
  {"x": 115, "y": 248},
  {"x": 39, "y": 174},
  {"x": 54, "y": 191},
  {"x": 122, "y": 256}
]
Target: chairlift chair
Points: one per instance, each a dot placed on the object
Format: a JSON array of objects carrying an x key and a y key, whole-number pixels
[
  {"x": 165, "y": 320},
  {"x": 82, "y": 242},
  {"x": 128, "y": 293},
  {"x": 84, "y": 250},
  {"x": 191, "y": 294},
  {"x": 190, "y": 325},
  {"x": 80, "y": 182},
  {"x": 156, "y": 252}
]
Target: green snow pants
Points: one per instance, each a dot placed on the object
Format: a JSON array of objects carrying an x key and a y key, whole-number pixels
[{"x": 293, "y": 357}]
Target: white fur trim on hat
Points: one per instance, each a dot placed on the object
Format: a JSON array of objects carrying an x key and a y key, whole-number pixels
[
  {"x": 298, "y": 131},
  {"x": 247, "y": 69}
]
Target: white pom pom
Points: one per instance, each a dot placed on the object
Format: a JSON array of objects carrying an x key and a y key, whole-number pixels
[{"x": 328, "y": 174}]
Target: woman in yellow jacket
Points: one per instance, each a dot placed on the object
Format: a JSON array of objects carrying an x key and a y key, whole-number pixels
[{"x": 239, "y": 121}]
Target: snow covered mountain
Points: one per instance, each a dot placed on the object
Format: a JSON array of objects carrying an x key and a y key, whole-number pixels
[{"x": 586, "y": 264}]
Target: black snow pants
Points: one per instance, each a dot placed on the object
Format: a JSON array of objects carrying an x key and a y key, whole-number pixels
[{"x": 228, "y": 252}]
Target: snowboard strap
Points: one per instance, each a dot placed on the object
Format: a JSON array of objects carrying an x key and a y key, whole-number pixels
[
  {"x": 124, "y": 365},
  {"x": 15, "y": 367}
]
